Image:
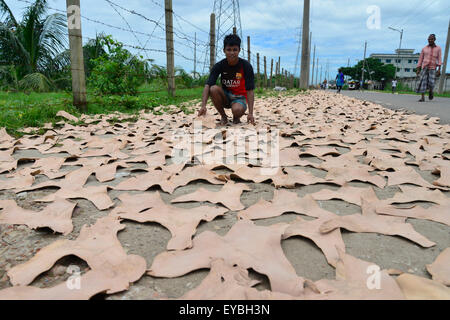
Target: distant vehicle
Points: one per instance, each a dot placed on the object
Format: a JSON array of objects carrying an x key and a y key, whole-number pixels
[
  {"x": 332, "y": 84},
  {"x": 353, "y": 85}
]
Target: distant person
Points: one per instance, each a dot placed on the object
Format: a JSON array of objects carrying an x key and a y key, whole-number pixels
[
  {"x": 325, "y": 84},
  {"x": 238, "y": 84},
  {"x": 394, "y": 85},
  {"x": 430, "y": 60},
  {"x": 339, "y": 81}
]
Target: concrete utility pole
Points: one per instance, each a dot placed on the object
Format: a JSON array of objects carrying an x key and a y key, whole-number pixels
[
  {"x": 444, "y": 65},
  {"x": 276, "y": 74},
  {"x": 76, "y": 54},
  {"x": 364, "y": 62},
  {"x": 234, "y": 30},
  {"x": 271, "y": 72},
  {"x": 320, "y": 74},
  {"x": 309, "y": 57},
  {"x": 169, "y": 48},
  {"x": 317, "y": 70},
  {"x": 212, "y": 41},
  {"x": 314, "y": 60},
  {"x": 265, "y": 73},
  {"x": 248, "y": 49},
  {"x": 257, "y": 70},
  {"x": 305, "y": 49}
]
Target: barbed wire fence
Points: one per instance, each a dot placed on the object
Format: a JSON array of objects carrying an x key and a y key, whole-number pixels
[{"x": 146, "y": 41}]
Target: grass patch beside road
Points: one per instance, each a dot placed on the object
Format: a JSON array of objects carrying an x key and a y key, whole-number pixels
[{"x": 19, "y": 110}]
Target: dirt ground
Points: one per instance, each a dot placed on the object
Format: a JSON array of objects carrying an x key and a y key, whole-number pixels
[{"x": 19, "y": 243}]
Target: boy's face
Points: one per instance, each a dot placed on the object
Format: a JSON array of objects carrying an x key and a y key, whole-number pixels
[{"x": 232, "y": 53}]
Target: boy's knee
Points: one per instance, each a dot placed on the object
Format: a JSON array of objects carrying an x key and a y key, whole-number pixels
[
  {"x": 214, "y": 89},
  {"x": 237, "y": 109}
]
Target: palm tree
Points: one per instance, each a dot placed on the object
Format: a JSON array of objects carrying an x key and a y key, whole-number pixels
[{"x": 32, "y": 44}]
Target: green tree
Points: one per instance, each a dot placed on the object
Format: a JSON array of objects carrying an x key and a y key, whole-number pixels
[
  {"x": 116, "y": 71},
  {"x": 32, "y": 45},
  {"x": 374, "y": 69}
]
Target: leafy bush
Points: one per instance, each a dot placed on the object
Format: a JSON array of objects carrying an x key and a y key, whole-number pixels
[
  {"x": 36, "y": 82},
  {"x": 116, "y": 71}
]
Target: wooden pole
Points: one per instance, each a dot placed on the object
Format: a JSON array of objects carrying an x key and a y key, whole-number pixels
[
  {"x": 265, "y": 73},
  {"x": 314, "y": 60},
  {"x": 234, "y": 30},
  {"x": 276, "y": 74},
  {"x": 444, "y": 65},
  {"x": 169, "y": 48},
  {"x": 76, "y": 54},
  {"x": 305, "y": 49},
  {"x": 271, "y": 72},
  {"x": 248, "y": 49},
  {"x": 212, "y": 41},
  {"x": 257, "y": 68}
]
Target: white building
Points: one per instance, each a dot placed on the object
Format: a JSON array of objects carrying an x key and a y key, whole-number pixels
[{"x": 404, "y": 59}]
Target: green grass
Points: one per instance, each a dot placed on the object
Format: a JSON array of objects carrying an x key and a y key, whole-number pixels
[{"x": 20, "y": 110}]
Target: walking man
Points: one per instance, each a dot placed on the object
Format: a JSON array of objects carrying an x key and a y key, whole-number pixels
[
  {"x": 429, "y": 67},
  {"x": 238, "y": 83},
  {"x": 339, "y": 81},
  {"x": 394, "y": 85}
]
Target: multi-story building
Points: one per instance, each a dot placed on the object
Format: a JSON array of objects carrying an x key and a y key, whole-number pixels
[{"x": 405, "y": 60}]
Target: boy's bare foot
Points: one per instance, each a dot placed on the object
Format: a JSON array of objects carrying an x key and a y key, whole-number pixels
[
  {"x": 430, "y": 95},
  {"x": 421, "y": 100},
  {"x": 236, "y": 121},
  {"x": 224, "y": 121}
]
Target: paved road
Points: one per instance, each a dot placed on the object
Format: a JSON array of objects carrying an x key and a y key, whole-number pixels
[{"x": 438, "y": 107}]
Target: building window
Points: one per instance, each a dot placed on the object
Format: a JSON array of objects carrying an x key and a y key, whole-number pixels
[
  {"x": 398, "y": 69},
  {"x": 409, "y": 61},
  {"x": 416, "y": 61},
  {"x": 414, "y": 70},
  {"x": 388, "y": 60},
  {"x": 398, "y": 60},
  {"x": 407, "y": 70}
]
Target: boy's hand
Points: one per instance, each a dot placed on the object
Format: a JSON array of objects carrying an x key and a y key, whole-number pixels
[
  {"x": 202, "y": 112},
  {"x": 438, "y": 73},
  {"x": 417, "y": 71},
  {"x": 251, "y": 119}
]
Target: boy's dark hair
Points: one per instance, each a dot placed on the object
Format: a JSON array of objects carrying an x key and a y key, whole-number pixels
[{"x": 232, "y": 40}]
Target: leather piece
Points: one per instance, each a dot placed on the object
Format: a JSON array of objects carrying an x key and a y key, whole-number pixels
[
  {"x": 418, "y": 288},
  {"x": 182, "y": 223},
  {"x": 246, "y": 245},
  {"x": 284, "y": 201},
  {"x": 57, "y": 215},
  {"x": 229, "y": 196},
  {"x": 112, "y": 269},
  {"x": 440, "y": 268}
]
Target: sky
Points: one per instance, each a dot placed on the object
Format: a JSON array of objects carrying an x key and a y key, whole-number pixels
[{"x": 339, "y": 28}]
